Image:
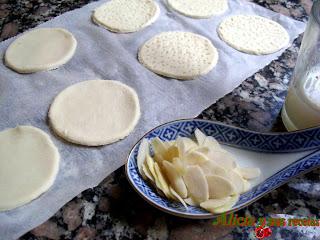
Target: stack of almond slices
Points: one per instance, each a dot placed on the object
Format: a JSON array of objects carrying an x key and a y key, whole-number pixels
[{"x": 196, "y": 173}]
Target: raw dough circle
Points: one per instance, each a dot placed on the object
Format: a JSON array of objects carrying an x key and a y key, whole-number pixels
[
  {"x": 253, "y": 34},
  {"x": 126, "y": 16},
  {"x": 95, "y": 112},
  {"x": 199, "y": 8},
  {"x": 29, "y": 163},
  {"x": 40, "y": 49},
  {"x": 180, "y": 55}
]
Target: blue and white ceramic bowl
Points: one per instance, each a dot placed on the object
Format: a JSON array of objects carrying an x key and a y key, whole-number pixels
[{"x": 306, "y": 140}]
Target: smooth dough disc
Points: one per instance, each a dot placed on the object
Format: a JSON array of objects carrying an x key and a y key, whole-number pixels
[
  {"x": 253, "y": 34},
  {"x": 29, "y": 163},
  {"x": 199, "y": 8},
  {"x": 95, "y": 112},
  {"x": 40, "y": 49},
  {"x": 126, "y": 16},
  {"x": 180, "y": 55}
]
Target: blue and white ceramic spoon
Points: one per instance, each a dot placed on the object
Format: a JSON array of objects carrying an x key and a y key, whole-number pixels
[{"x": 280, "y": 156}]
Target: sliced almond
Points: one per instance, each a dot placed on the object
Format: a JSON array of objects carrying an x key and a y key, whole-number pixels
[
  {"x": 211, "y": 168},
  {"x": 179, "y": 165},
  {"x": 161, "y": 190},
  {"x": 175, "y": 180},
  {"x": 168, "y": 144},
  {"x": 221, "y": 172},
  {"x": 177, "y": 196},
  {"x": 212, "y": 143},
  {"x": 249, "y": 173},
  {"x": 162, "y": 181},
  {"x": 158, "y": 146},
  {"x": 146, "y": 172},
  {"x": 158, "y": 158},
  {"x": 207, "y": 141},
  {"x": 211, "y": 204},
  {"x": 200, "y": 137},
  {"x": 143, "y": 150},
  {"x": 195, "y": 158},
  {"x": 150, "y": 165},
  {"x": 191, "y": 202},
  {"x": 223, "y": 159},
  {"x": 246, "y": 187},
  {"x": 208, "y": 167},
  {"x": 204, "y": 150},
  {"x": 172, "y": 142},
  {"x": 184, "y": 145},
  {"x": 237, "y": 181},
  {"x": 196, "y": 183},
  {"x": 219, "y": 187},
  {"x": 227, "y": 206},
  {"x": 172, "y": 152}
]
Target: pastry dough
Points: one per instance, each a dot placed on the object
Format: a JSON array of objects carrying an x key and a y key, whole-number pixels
[
  {"x": 29, "y": 163},
  {"x": 95, "y": 112},
  {"x": 181, "y": 55},
  {"x": 253, "y": 34},
  {"x": 40, "y": 49},
  {"x": 199, "y": 8},
  {"x": 126, "y": 16}
]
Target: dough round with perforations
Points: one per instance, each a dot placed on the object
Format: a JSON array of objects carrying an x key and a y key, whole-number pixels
[
  {"x": 29, "y": 163},
  {"x": 40, "y": 49},
  {"x": 125, "y": 16},
  {"x": 95, "y": 112},
  {"x": 180, "y": 55},
  {"x": 253, "y": 34},
  {"x": 199, "y": 8}
]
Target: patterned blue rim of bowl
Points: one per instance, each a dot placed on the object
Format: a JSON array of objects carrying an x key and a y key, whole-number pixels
[{"x": 303, "y": 140}]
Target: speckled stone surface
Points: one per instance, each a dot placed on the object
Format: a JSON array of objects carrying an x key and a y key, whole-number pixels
[{"x": 113, "y": 210}]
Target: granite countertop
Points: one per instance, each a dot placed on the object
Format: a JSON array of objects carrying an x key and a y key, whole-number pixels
[{"x": 113, "y": 210}]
